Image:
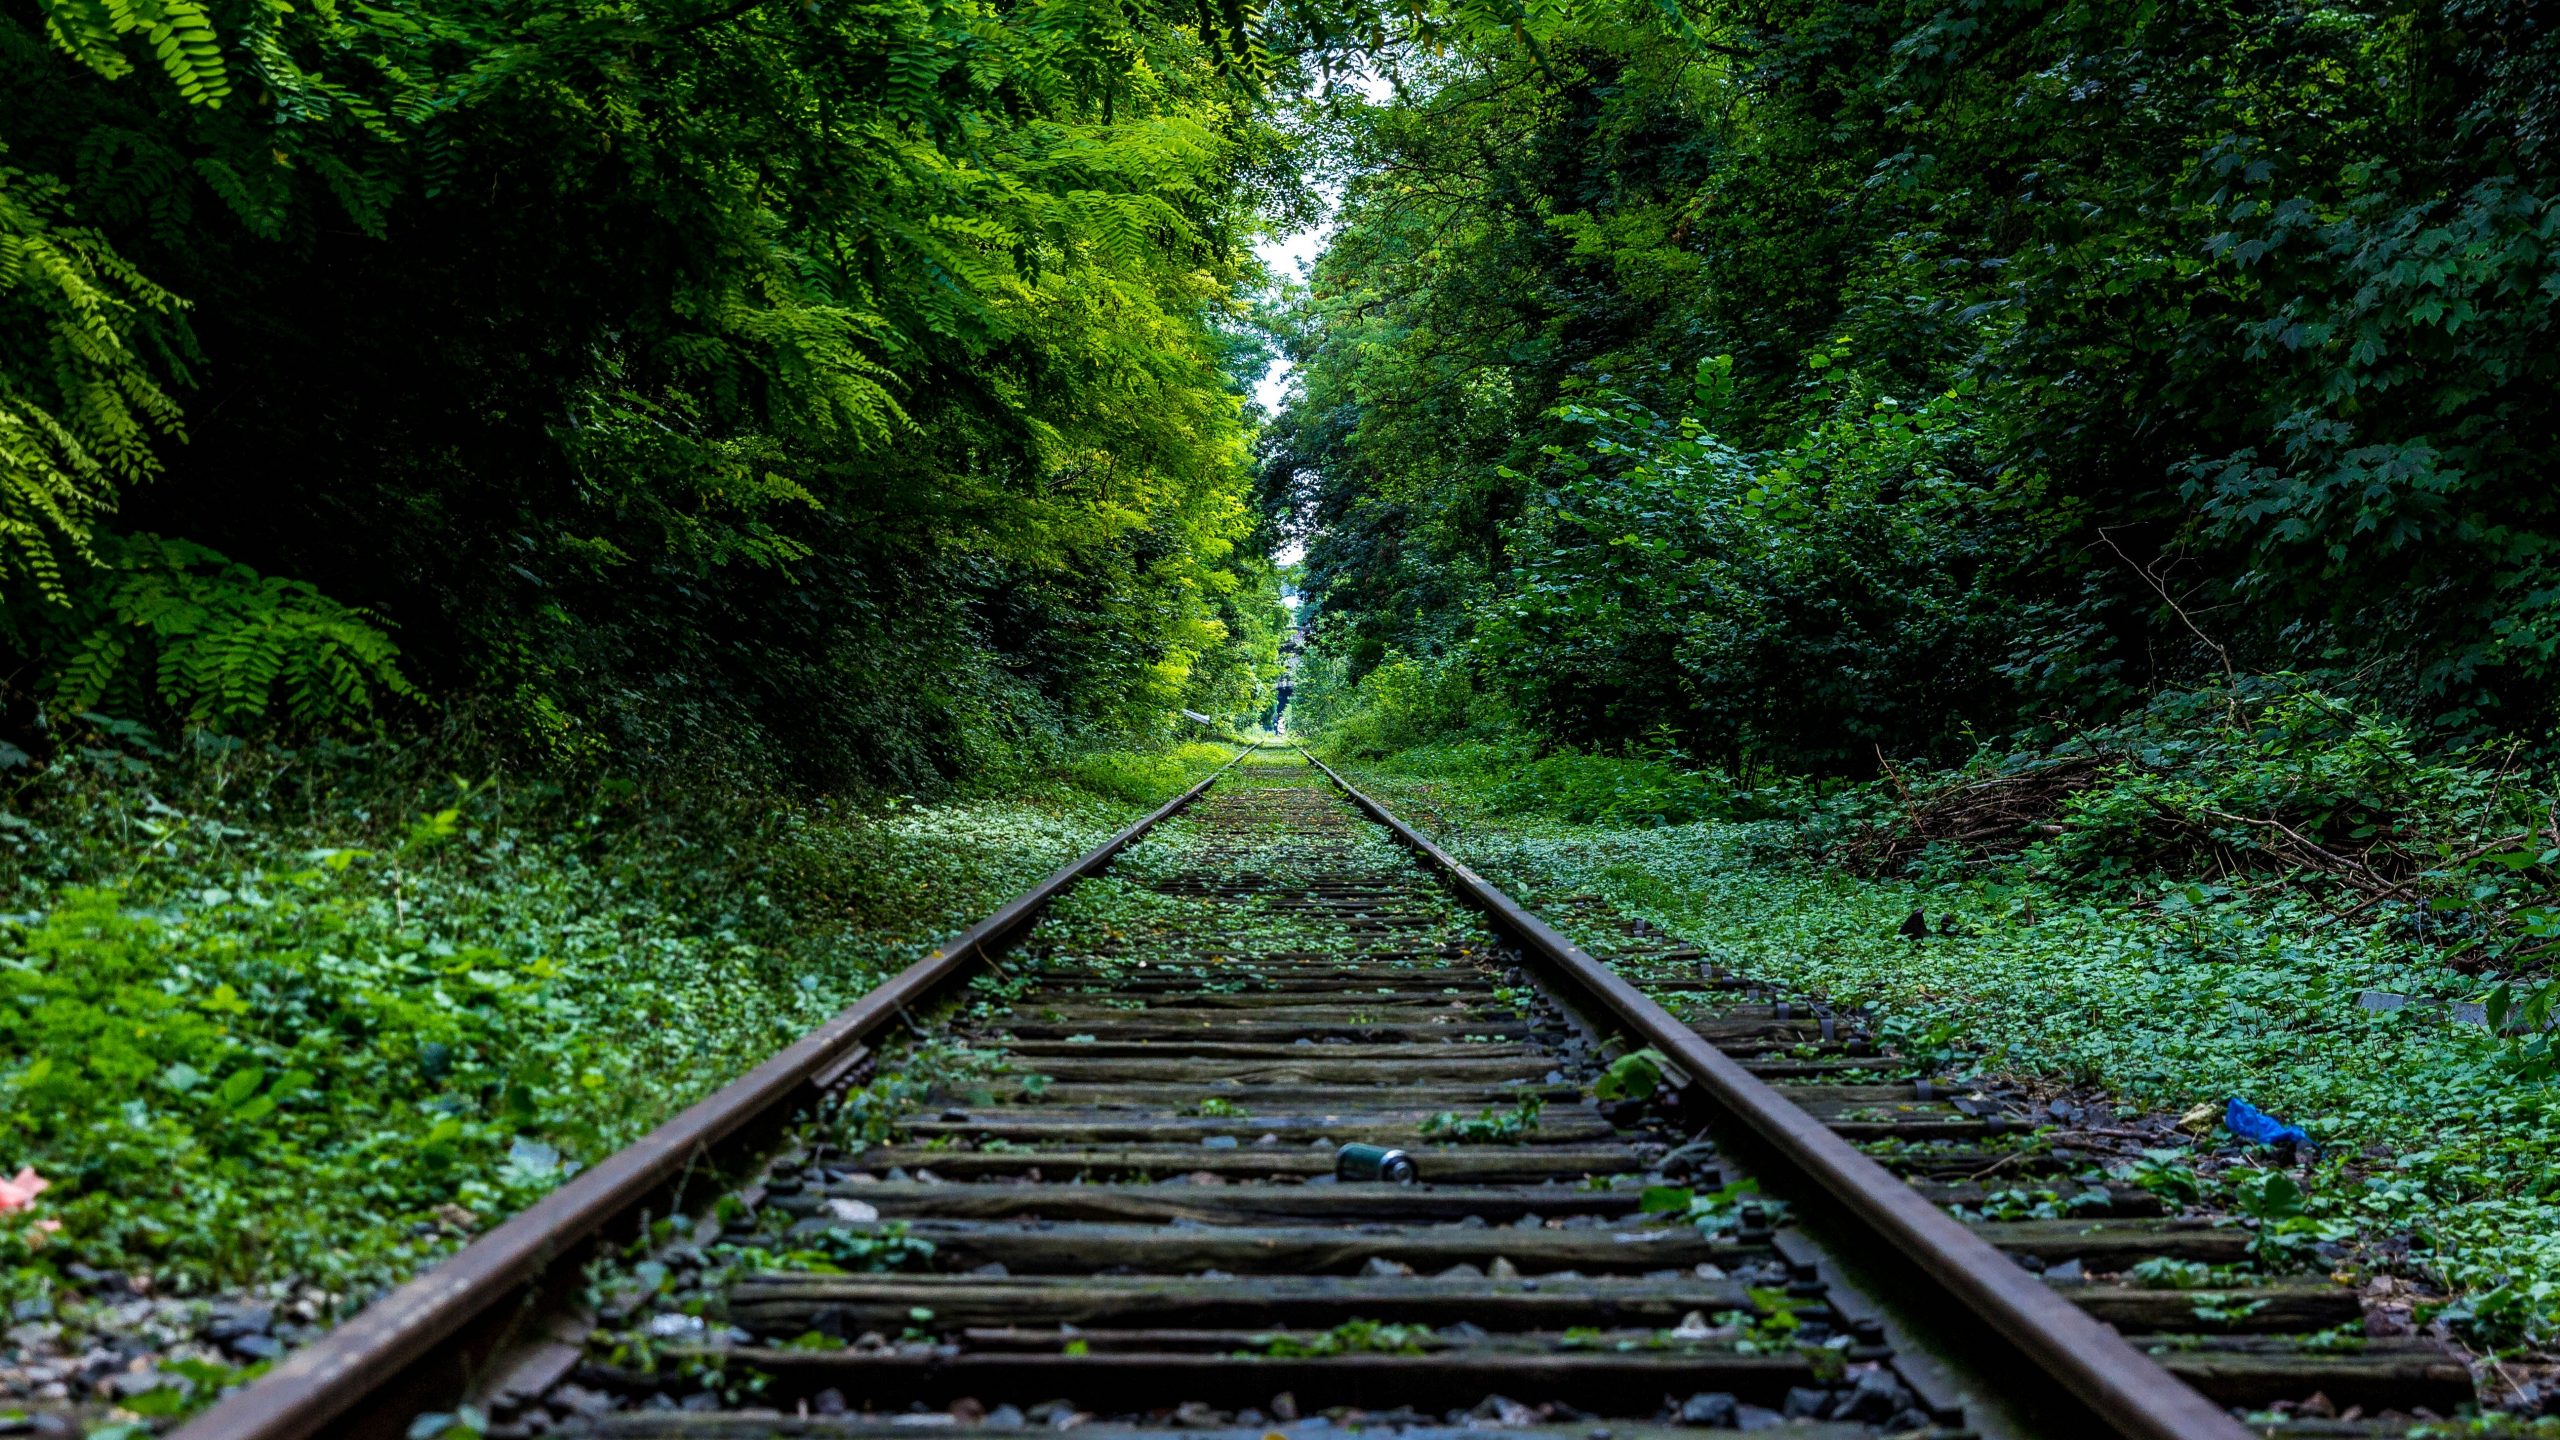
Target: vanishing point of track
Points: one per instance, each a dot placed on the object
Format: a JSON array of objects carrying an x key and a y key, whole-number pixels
[{"x": 1080, "y": 1171}]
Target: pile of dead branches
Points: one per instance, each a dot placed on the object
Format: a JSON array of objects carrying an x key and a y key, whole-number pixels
[
  {"x": 2481, "y": 883},
  {"x": 2479, "y": 913},
  {"x": 1975, "y": 815}
]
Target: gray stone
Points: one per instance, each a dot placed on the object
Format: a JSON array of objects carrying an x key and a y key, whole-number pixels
[
  {"x": 1712, "y": 1407},
  {"x": 231, "y": 1321}
]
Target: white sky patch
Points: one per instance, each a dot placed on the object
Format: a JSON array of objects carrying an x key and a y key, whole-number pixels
[{"x": 1291, "y": 256}]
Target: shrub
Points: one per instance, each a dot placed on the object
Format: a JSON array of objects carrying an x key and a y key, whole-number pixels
[
  {"x": 1789, "y": 608},
  {"x": 1587, "y": 789},
  {"x": 1403, "y": 702},
  {"x": 1144, "y": 777}
]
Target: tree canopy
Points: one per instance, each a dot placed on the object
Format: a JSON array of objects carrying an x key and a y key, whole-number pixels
[
  {"x": 1797, "y": 381},
  {"x": 854, "y": 389},
  {"x": 842, "y": 389}
]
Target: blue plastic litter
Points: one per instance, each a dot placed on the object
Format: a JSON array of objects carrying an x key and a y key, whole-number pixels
[{"x": 2260, "y": 1128}]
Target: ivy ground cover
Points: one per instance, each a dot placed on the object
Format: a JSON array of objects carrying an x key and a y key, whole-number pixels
[
  {"x": 313, "y": 1019},
  {"x": 2438, "y": 1159}
]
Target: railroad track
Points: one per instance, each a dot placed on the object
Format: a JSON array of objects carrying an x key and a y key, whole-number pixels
[{"x": 1085, "y": 1167}]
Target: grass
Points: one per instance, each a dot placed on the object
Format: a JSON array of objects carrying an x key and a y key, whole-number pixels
[
  {"x": 313, "y": 1018},
  {"x": 2440, "y": 1157}
]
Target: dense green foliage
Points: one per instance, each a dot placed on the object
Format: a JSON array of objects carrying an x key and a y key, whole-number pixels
[
  {"x": 319, "y": 1016},
  {"x": 847, "y": 393},
  {"x": 1789, "y": 380}
]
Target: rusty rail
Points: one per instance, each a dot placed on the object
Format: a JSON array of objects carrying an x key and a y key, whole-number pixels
[{"x": 2120, "y": 1384}]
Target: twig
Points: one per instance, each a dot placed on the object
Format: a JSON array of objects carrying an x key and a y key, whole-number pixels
[
  {"x": 2358, "y": 908},
  {"x": 2003, "y": 1163},
  {"x": 2113, "y": 1133},
  {"x": 2230, "y": 676},
  {"x": 1908, "y": 806},
  {"x": 2346, "y": 869}
]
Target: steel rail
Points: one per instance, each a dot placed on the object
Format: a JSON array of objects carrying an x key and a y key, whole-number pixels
[
  {"x": 2123, "y": 1387},
  {"x": 323, "y": 1383}
]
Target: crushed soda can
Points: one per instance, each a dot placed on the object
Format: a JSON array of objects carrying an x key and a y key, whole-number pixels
[{"x": 1375, "y": 1162}]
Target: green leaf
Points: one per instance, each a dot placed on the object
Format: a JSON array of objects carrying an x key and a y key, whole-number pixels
[
  {"x": 2269, "y": 1196},
  {"x": 239, "y": 1086},
  {"x": 1632, "y": 1076},
  {"x": 158, "y": 1402}
]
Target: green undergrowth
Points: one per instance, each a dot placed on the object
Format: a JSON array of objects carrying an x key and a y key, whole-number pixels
[
  {"x": 2170, "y": 978},
  {"x": 318, "y": 1016},
  {"x": 1149, "y": 777}
]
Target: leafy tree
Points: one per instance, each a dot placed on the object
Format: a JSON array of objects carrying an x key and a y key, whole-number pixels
[
  {"x": 1811, "y": 602},
  {"x": 836, "y": 391},
  {"x": 2248, "y": 307}
]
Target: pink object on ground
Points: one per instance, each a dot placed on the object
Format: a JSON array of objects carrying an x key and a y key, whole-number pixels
[{"x": 21, "y": 1191}]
